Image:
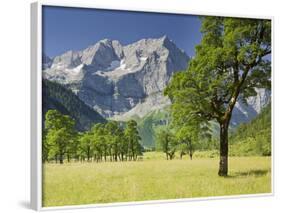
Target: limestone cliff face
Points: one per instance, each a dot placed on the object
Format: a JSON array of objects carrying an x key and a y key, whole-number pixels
[
  {"x": 115, "y": 79},
  {"x": 243, "y": 113}
]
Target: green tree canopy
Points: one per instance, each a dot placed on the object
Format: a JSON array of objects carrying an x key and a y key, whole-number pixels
[
  {"x": 167, "y": 142},
  {"x": 133, "y": 138},
  {"x": 60, "y": 133},
  {"x": 86, "y": 145}
]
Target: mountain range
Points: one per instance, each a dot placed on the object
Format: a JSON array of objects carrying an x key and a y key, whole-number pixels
[
  {"x": 124, "y": 81},
  {"x": 119, "y": 81}
]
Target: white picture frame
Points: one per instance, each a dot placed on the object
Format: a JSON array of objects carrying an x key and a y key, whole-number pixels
[{"x": 36, "y": 104}]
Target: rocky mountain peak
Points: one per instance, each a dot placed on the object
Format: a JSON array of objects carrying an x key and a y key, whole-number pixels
[
  {"x": 68, "y": 59},
  {"x": 114, "y": 79},
  {"x": 46, "y": 61}
]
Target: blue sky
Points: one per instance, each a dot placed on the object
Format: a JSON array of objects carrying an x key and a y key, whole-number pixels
[{"x": 76, "y": 28}]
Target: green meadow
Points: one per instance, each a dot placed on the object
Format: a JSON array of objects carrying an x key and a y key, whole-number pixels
[{"x": 153, "y": 178}]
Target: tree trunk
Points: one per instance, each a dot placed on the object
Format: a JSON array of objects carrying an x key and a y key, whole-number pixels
[
  {"x": 223, "y": 165},
  {"x": 190, "y": 151},
  {"x": 88, "y": 153},
  {"x": 61, "y": 158}
]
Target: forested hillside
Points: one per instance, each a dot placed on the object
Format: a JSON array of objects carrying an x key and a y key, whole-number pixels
[
  {"x": 55, "y": 96},
  {"x": 148, "y": 126},
  {"x": 253, "y": 138}
]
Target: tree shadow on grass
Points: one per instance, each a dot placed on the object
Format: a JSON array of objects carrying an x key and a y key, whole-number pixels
[{"x": 253, "y": 172}]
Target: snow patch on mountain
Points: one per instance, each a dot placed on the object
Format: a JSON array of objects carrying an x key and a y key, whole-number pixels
[{"x": 113, "y": 65}]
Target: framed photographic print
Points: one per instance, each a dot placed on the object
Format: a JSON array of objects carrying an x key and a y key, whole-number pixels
[{"x": 133, "y": 106}]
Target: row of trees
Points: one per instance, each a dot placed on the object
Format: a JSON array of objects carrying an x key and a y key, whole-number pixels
[
  {"x": 104, "y": 141},
  {"x": 183, "y": 140}
]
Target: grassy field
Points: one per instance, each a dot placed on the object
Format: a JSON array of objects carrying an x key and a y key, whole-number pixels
[{"x": 152, "y": 179}]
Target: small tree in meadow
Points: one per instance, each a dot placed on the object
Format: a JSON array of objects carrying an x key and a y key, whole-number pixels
[
  {"x": 86, "y": 145},
  {"x": 60, "y": 133},
  {"x": 167, "y": 143},
  {"x": 133, "y": 138}
]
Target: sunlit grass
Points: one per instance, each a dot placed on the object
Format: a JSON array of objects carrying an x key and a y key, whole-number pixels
[{"x": 152, "y": 179}]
